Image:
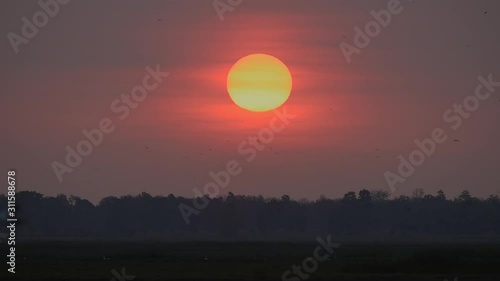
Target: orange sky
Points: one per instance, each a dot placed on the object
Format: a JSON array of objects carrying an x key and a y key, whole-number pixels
[{"x": 353, "y": 120}]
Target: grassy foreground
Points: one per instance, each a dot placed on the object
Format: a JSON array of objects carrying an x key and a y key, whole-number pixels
[{"x": 251, "y": 261}]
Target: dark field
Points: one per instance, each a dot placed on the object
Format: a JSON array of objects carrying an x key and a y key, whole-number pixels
[{"x": 252, "y": 261}]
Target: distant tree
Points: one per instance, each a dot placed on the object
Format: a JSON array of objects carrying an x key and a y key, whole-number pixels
[
  {"x": 493, "y": 198},
  {"x": 73, "y": 200},
  {"x": 441, "y": 195},
  {"x": 143, "y": 217},
  {"x": 30, "y": 196},
  {"x": 380, "y": 195},
  {"x": 418, "y": 193},
  {"x": 108, "y": 201},
  {"x": 145, "y": 195},
  {"x": 350, "y": 197},
  {"x": 402, "y": 198},
  {"x": 464, "y": 196},
  {"x": 364, "y": 196},
  {"x": 285, "y": 198},
  {"x": 303, "y": 201},
  {"x": 230, "y": 220},
  {"x": 428, "y": 197}
]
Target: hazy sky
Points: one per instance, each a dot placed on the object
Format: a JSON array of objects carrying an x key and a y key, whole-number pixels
[{"x": 352, "y": 120}]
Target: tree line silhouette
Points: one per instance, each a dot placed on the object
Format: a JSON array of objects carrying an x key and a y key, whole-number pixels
[{"x": 363, "y": 214}]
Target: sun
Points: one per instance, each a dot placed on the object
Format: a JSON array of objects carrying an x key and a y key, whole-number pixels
[{"x": 259, "y": 82}]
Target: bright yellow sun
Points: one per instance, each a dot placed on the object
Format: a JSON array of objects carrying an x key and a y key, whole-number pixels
[{"x": 259, "y": 82}]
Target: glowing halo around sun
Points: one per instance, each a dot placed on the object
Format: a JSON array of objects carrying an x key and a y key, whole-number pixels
[{"x": 259, "y": 82}]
